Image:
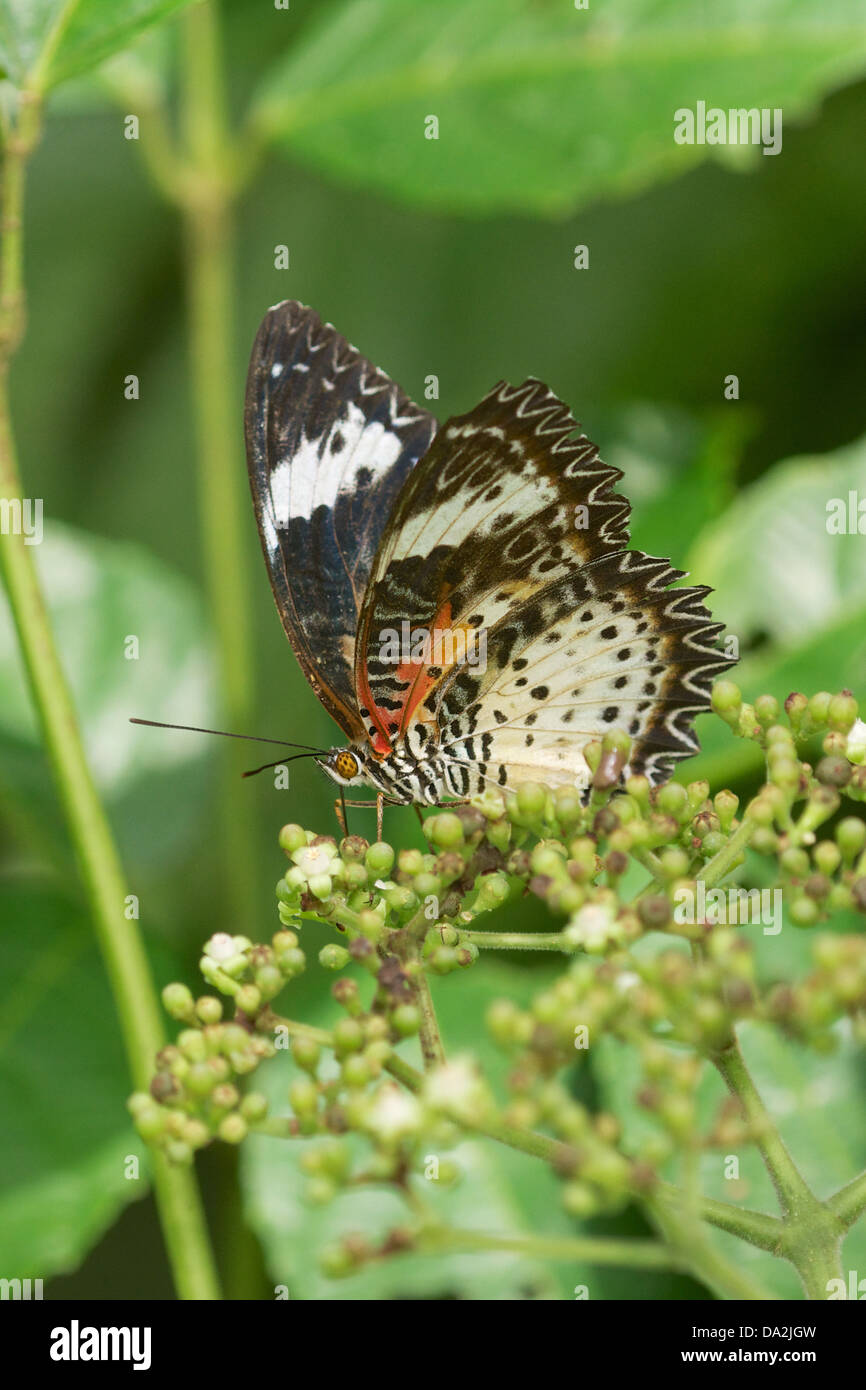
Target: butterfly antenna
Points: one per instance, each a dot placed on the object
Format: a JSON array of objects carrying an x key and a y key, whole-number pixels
[
  {"x": 280, "y": 762},
  {"x": 222, "y": 733}
]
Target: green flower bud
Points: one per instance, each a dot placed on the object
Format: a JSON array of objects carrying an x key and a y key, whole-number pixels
[
  {"x": 150, "y": 1120},
  {"x": 493, "y": 891},
  {"x": 410, "y": 861},
  {"x": 304, "y": 1097},
  {"x": 674, "y": 862},
  {"x": 209, "y": 1009},
  {"x": 842, "y": 712},
  {"x": 248, "y": 1000},
  {"x": 672, "y": 800},
  {"x": 444, "y": 830},
  {"x": 796, "y": 706},
  {"x": 804, "y": 912},
  {"x": 291, "y": 962},
  {"x": 531, "y": 800},
  {"x": 335, "y": 1262},
  {"x": 348, "y": 1036},
  {"x": 766, "y": 710},
  {"x": 406, "y": 1020},
  {"x": 826, "y": 856},
  {"x": 834, "y": 771},
  {"x": 306, "y": 1052},
  {"x": 233, "y": 1129},
  {"x": 443, "y": 960},
  {"x": 353, "y": 848},
  {"x": 292, "y": 837},
  {"x": 819, "y": 708},
  {"x": 727, "y": 701},
  {"x": 379, "y": 859},
  {"x": 178, "y": 1003},
  {"x": 580, "y": 1200},
  {"x": 254, "y": 1107},
  {"x": 726, "y": 804},
  {"x": 850, "y": 837},
  {"x": 333, "y": 956},
  {"x": 269, "y": 981},
  {"x": 795, "y": 862},
  {"x": 201, "y": 1079}
]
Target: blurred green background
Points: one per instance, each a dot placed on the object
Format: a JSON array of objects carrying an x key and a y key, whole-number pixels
[{"x": 452, "y": 258}]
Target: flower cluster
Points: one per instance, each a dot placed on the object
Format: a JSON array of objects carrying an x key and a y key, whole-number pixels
[{"x": 614, "y": 863}]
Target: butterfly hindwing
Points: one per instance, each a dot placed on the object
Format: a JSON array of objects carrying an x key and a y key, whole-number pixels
[
  {"x": 509, "y": 529},
  {"x": 610, "y": 648},
  {"x": 330, "y": 442}
]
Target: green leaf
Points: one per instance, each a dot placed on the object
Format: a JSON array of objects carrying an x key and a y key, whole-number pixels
[
  {"x": 100, "y": 595},
  {"x": 63, "y": 1084},
  {"x": 542, "y": 106},
  {"x": 44, "y": 42},
  {"x": 810, "y": 1100},
  {"x": 775, "y": 566},
  {"x": 500, "y": 1192}
]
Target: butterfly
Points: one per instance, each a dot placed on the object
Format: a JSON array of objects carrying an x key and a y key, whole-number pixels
[{"x": 461, "y": 597}]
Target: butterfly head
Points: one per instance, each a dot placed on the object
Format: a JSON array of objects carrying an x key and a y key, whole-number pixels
[{"x": 344, "y": 765}]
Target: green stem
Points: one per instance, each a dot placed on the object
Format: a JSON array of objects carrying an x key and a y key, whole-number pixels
[
  {"x": 207, "y": 195},
  {"x": 716, "y": 868},
  {"x": 793, "y": 1193},
  {"x": 431, "y": 1041},
  {"x": 756, "y": 1227},
  {"x": 811, "y": 1232},
  {"x": 119, "y": 939},
  {"x": 636, "y": 1254},
  {"x": 849, "y": 1203},
  {"x": 704, "y": 1262},
  {"x": 517, "y": 941}
]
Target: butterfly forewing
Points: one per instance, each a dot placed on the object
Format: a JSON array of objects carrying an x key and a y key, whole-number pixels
[{"x": 330, "y": 442}]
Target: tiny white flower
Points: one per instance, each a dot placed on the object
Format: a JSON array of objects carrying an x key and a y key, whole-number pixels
[
  {"x": 456, "y": 1089},
  {"x": 315, "y": 859},
  {"x": 593, "y": 927},
  {"x": 394, "y": 1114},
  {"x": 220, "y": 947}
]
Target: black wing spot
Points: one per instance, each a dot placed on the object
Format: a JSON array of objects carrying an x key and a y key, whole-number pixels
[{"x": 610, "y": 714}]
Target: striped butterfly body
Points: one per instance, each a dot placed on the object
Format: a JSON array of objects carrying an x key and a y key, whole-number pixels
[{"x": 461, "y": 598}]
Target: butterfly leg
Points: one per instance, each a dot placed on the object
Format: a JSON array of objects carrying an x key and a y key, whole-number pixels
[{"x": 380, "y": 813}]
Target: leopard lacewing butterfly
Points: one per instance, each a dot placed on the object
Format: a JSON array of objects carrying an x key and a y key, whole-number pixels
[{"x": 501, "y": 525}]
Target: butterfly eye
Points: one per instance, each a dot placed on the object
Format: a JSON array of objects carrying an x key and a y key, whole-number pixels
[{"x": 346, "y": 765}]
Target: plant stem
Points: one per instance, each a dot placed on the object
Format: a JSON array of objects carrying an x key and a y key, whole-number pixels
[
  {"x": 811, "y": 1232},
  {"x": 704, "y": 1262},
  {"x": 637, "y": 1254},
  {"x": 429, "y": 1036},
  {"x": 793, "y": 1193},
  {"x": 849, "y": 1203},
  {"x": 119, "y": 939},
  {"x": 518, "y": 941},
  {"x": 207, "y": 192},
  {"x": 756, "y": 1227},
  {"x": 716, "y": 868}
]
